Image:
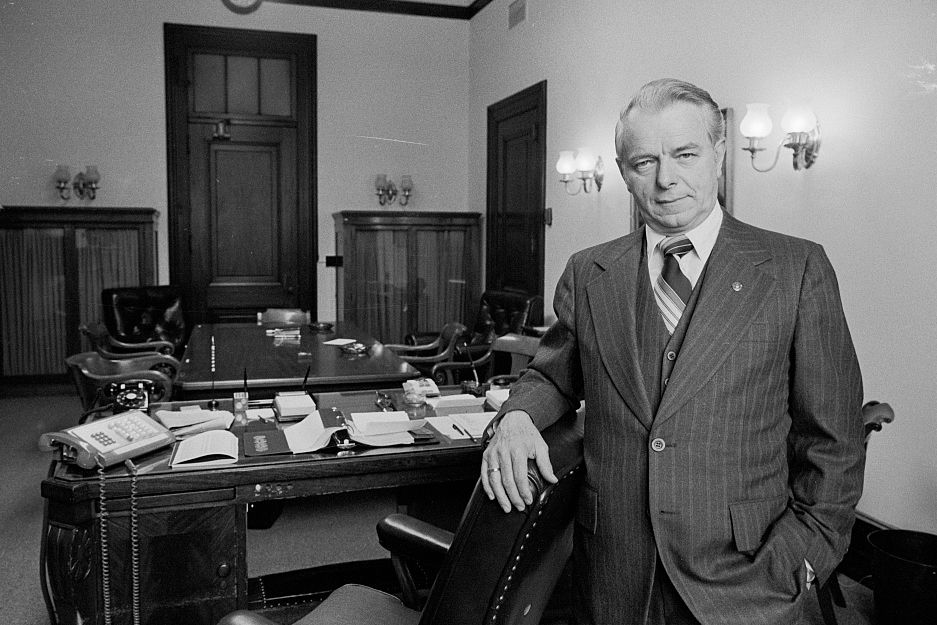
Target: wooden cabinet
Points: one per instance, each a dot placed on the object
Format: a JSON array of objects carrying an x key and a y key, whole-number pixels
[
  {"x": 54, "y": 263},
  {"x": 406, "y": 271}
]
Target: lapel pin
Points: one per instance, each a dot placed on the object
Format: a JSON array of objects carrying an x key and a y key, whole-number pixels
[{"x": 736, "y": 286}]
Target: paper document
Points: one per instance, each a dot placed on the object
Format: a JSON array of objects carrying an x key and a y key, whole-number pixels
[
  {"x": 216, "y": 447},
  {"x": 309, "y": 434},
  {"x": 338, "y": 342},
  {"x": 447, "y": 427},
  {"x": 496, "y": 397},
  {"x": 474, "y": 423},
  {"x": 374, "y": 423},
  {"x": 185, "y": 423}
]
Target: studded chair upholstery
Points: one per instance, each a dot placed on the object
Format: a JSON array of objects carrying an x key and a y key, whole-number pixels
[
  {"x": 140, "y": 319},
  {"x": 497, "y": 568}
]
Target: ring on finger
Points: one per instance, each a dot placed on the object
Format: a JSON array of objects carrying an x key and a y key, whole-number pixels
[{"x": 494, "y": 470}]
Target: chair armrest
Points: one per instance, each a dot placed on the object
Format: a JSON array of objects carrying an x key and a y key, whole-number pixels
[
  {"x": 163, "y": 347},
  {"x": 243, "y": 617},
  {"x": 429, "y": 347},
  {"x": 421, "y": 338},
  {"x": 408, "y": 537}
]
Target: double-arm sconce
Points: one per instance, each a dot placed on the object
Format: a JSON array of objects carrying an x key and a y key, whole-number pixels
[
  {"x": 387, "y": 190},
  {"x": 589, "y": 168},
  {"x": 85, "y": 184},
  {"x": 799, "y": 124}
]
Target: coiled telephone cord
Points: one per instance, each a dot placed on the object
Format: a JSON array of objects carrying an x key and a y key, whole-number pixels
[
  {"x": 105, "y": 563},
  {"x": 134, "y": 544}
]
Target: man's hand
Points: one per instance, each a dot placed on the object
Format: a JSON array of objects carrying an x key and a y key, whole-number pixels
[{"x": 504, "y": 463}]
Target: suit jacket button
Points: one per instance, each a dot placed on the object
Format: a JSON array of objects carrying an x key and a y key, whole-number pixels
[
  {"x": 671, "y": 355},
  {"x": 658, "y": 444}
]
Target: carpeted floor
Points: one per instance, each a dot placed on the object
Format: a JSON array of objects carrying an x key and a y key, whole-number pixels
[{"x": 26, "y": 415}]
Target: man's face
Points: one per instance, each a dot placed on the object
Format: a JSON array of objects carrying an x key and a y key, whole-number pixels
[{"x": 670, "y": 166}]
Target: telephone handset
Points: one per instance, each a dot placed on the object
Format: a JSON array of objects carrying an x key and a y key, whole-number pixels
[{"x": 108, "y": 441}]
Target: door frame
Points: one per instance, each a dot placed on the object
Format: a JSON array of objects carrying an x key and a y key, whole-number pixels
[
  {"x": 533, "y": 97},
  {"x": 178, "y": 39}
]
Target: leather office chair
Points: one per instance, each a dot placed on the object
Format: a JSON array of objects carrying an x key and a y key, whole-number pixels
[
  {"x": 875, "y": 415},
  {"x": 427, "y": 357},
  {"x": 139, "y": 320},
  {"x": 497, "y": 568},
  {"x": 284, "y": 316},
  {"x": 98, "y": 380},
  {"x": 518, "y": 349},
  {"x": 499, "y": 313}
]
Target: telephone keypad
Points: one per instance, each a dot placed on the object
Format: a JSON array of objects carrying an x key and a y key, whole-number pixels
[{"x": 103, "y": 438}]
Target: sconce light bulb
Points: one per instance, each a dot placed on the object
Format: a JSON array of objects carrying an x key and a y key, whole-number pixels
[
  {"x": 380, "y": 182},
  {"x": 62, "y": 174},
  {"x": 91, "y": 174},
  {"x": 585, "y": 161},
  {"x": 799, "y": 118},
  {"x": 566, "y": 163},
  {"x": 757, "y": 123}
]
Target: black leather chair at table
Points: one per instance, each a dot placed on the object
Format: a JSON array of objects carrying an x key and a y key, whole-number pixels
[
  {"x": 510, "y": 354},
  {"x": 497, "y": 567},
  {"x": 98, "y": 380},
  {"x": 499, "y": 313},
  {"x": 427, "y": 357},
  {"x": 139, "y": 320},
  {"x": 875, "y": 415}
]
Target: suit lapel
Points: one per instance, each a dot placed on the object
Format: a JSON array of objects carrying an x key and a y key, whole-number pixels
[
  {"x": 612, "y": 303},
  {"x": 735, "y": 287}
]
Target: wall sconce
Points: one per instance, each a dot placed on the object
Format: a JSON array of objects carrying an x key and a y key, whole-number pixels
[
  {"x": 799, "y": 124},
  {"x": 85, "y": 184},
  {"x": 589, "y": 168},
  {"x": 387, "y": 190}
]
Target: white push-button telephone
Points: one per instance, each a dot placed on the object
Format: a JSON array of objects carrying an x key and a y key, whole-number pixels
[{"x": 109, "y": 441}]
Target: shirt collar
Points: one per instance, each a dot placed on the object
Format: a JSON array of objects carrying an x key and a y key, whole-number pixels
[{"x": 703, "y": 237}]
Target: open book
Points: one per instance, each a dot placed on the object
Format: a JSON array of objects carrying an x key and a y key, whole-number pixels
[
  {"x": 207, "y": 449},
  {"x": 310, "y": 434}
]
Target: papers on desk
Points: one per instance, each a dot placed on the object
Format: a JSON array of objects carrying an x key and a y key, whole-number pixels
[
  {"x": 189, "y": 422},
  {"x": 448, "y": 428},
  {"x": 474, "y": 423},
  {"x": 339, "y": 342},
  {"x": 496, "y": 397},
  {"x": 207, "y": 449},
  {"x": 450, "y": 404},
  {"x": 308, "y": 435},
  {"x": 383, "y": 429}
]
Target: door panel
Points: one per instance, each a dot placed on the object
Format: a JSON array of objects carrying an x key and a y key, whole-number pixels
[
  {"x": 244, "y": 215},
  {"x": 516, "y": 178}
]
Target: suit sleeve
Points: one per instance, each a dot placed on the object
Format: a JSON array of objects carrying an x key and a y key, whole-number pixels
[
  {"x": 826, "y": 448},
  {"x": 552, "y": 384}
]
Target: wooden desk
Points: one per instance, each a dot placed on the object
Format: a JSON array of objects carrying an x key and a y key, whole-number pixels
[
  {"x": 192, "y": 524},
  {"x": 275, "y": 365}
]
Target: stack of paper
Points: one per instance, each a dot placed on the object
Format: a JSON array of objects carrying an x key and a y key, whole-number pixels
[
  {"x": 496, "y": 397},
  {"x": 380, "y": 429},
  {"x": 205, "y": 450},
  {"x": 293, "y": 405},
  {"x": 188, "y": 422},
  {"x": 456, "y": 403}
]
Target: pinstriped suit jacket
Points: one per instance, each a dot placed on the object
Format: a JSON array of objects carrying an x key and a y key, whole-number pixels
[{"x": 764, "y": 454}]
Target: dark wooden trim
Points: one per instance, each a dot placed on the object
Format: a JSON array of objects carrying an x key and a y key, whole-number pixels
[{"x": 399, "y": 7}]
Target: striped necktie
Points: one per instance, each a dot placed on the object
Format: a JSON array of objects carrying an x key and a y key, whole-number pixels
[{"x": 673, "y": 288}]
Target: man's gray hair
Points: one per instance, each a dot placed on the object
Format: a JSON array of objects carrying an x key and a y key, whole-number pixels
[{"x": 659, "y": 94}]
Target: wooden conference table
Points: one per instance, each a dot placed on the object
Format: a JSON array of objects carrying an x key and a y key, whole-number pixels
[
  {"x": 192, "y": 524},
  {"x": 276, "y": 363}
]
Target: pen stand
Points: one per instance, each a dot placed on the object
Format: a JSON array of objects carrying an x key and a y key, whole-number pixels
[{"x": 240, "y": 408}]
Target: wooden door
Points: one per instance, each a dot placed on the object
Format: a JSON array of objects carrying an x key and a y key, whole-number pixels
[
  {"x": 516, "y": 191},
  {"x": 242, "y": 170}
]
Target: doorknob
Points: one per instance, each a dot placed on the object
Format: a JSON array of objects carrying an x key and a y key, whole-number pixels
[
  {"x": 221, "y": 130},
  {"x": 288, "y": 284}
]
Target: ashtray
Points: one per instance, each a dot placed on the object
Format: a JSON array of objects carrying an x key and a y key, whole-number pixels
[
  {"x": 355, "y": 348},
  {"x": 322, "y": 326}
]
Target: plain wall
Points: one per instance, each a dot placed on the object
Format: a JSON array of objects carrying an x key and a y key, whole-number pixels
[
  {"x": 865, "y": 67},
  {"x": 83, "y": 84}
]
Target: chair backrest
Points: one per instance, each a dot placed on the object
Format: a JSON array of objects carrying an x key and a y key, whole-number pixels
[
  {"x": 518, "y": 348},
  {"x": 500, "y": 312},
  {"x": 145, "y": 313},
  {"x": 285, "y": 316},
  {"x": 502, "y": 567},
  {"x": 91, "y": 374}
]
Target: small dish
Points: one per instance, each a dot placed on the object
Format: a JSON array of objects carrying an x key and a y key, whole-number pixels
[{"x": 322, "y": 326}]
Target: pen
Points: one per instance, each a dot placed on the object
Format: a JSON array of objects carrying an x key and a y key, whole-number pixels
[
  {"x": 306, "y": 377},
  {"x": 463, "y": 432}
]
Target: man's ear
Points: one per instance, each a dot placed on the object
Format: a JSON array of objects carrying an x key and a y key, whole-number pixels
[{"x": 720, "y": 150}]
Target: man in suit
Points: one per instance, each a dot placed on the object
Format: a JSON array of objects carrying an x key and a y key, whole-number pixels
[{"x": 723, "y": 434}]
